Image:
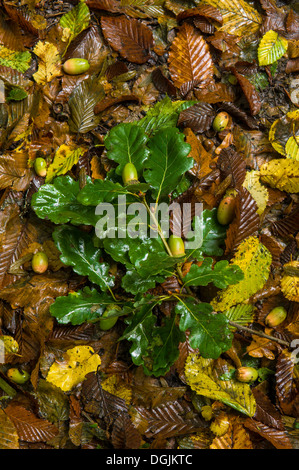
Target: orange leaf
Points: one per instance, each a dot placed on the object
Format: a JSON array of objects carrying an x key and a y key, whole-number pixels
[{"x": 189, "y": 58}]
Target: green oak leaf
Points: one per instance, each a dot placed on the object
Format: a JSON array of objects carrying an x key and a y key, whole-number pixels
[
  {"x": 126, "y": 143},
  {"x": 167, "y": 161},
  {"x": 86, "y": 305},
  {"x": 213, "y": 235},
  {"x": 209, "y": 332},
  {"x": 93, "y": 193},
  {"x": 139, "y": 329},
  {"x": 222, "y": 274},
  {"x": 134, "y": 283},
  {"x": 77, "y": 250},
  {"x": 58, "y": 203}
]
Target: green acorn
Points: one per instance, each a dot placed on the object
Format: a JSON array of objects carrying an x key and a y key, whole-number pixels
[
  {"x": 226, "y": 210},
  {"x": 105, "y": 322},
  {"x": 75, "y": 66},
  {"x": 246, "y": 374},
  {"x": 39, "y": 262},
  {"x": 220, "y": 122},
  {"x": 129, "y": 174},
  {"x": 275, "y": 317},
  {"x": 18, "y": 376},
  {"x": 176, "y": 246},
  {"x": 40, "y": 166}
]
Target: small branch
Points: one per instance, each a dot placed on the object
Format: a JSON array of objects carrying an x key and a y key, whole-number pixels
[{"x": 259, "y": 333}]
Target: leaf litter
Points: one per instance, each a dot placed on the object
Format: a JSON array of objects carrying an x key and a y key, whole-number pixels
[{"x": 163, "y": 374}]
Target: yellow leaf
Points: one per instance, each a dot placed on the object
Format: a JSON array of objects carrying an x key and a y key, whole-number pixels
[
  {"x": 254, "y": 259},
  {"x": 292, "y": 148},
  {"x": 77, "y": 362},
  {"x": 257, "y": 190},
  {"x": 271, "y": 48},
  {"x": 290, "y": 281},
  {"x": 65, "y": 158},
  {"x": 282, "y": 129},
  {"x": 116, "y": 386},
  {"x": 239, "y": 17},
  {"x": 282, "y": 174},
  {"x": 49, "y": 65},
  {"x": 10, "y": 344},
  {"x": 204, "y": 378}
]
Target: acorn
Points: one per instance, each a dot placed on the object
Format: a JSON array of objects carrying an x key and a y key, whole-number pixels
[
  {"x": 129, "y": 174},
  {"x": 17, "y": 375},
  {"x": 246, "y": 374},
  {"x": 75, "y": 66},
  {"x": 220, "y": 122},
  {"x": 39, "y": 262},
  {"x": 276, "y": 316},
  {"x": 226, "y": 210},
  {"x": 176, "y": 245},
  {"x": 107, "y": 323},
  {"x": 40, "y": 166}
]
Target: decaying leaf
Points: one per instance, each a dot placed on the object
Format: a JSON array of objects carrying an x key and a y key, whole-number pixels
[
  {"x": 282, "y": 174},
  {"x": 254, "y": 260},
  {"x": 203, "y": 376},
  {"x": 77, "y": 363},
  {"x": 49, "y": 62}
]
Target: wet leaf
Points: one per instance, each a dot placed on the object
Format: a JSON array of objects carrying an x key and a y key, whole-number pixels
[
  {"x": 271, "y": 48},
  {"x": 190, "y": 60},
  {"x": 77, "y": 363}
]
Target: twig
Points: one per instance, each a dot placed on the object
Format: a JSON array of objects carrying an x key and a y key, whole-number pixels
[{"x": 259, "y": 333}]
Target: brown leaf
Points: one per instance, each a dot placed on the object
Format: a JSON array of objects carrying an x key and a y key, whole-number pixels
[
  {"x": 189, "y": 58},
  {"x": 31, "y": 291},
  {"x": 250, "y": 93},
  {"x": 174, "y": 419},
  {"x": 207, "y": 11},
  {"x": 274, "y": 247},
  {"x": 162, "y": 83},
  {"x": 215, "y": 93},
  {"x": 14, "y": 171},
  {"x": 231, "y": 163},
  {"x": 16, "y": 236},
  {"x": 106, "y": 5},
  {"x": 239, "y": 114},
  {"x": 199, "y": 117},
  {"x": 277, "y": 437},
  {"x": 131, "y": 38},
  {"x": 287, "y": 226},
  {"x": 246, "y": 222},
  {"x": 286, "y": 382},
  {"x": 124, "y": 434},
  {"x": 29, "y": 427}
]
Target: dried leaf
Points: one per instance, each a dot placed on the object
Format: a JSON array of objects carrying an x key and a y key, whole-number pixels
[
  {"x": 9, "y": 438},
  {"x": 49, "y": 65},
  {"x": 131, "y": 38},
  {"x": 282, "y": 174},
  {"x": 257, "y": 190},
  {"x": 198, "y": 117},
  {"x": 29, "y": 427},
  {"x": 189, "y": 58}
]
